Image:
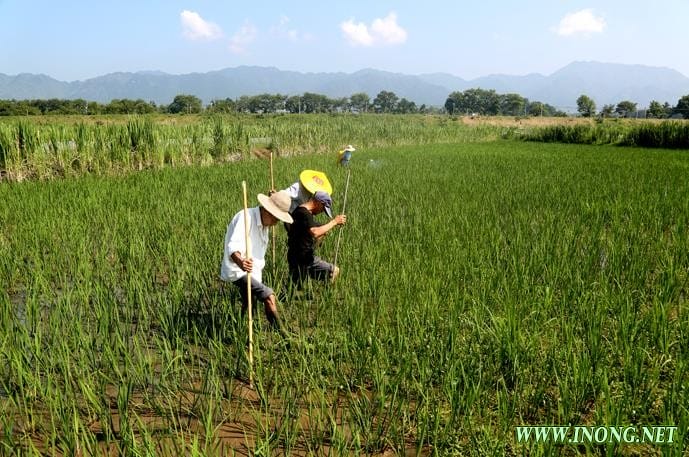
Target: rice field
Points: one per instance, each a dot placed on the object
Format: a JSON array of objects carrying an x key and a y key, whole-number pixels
[{"x": 485, "y": 285}]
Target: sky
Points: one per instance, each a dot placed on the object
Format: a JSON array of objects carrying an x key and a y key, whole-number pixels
[{"x": 73, "y": 40}]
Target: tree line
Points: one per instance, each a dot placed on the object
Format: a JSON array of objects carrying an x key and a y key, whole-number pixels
[
  {"x": 469, "y": 102},
  {"x": 626, "y": 108},
  {"x": 490, "y": 103},
  {"x": 384, "y": 102}
]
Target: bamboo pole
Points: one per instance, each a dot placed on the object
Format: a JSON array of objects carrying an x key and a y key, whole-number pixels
[
  {"x": 344, "y": 205},
  {"x": 272, "y": 229},
  {"x": 247, "y": 255}
]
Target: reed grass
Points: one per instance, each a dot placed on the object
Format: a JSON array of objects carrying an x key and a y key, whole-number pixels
[
  {"x": 648, "y": 134},
  {"x": 34, "y": 150}
]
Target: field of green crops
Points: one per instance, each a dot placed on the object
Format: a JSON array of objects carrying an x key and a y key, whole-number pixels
[
  {"x": 484, "y": 286},
  {"x": 64, "y": 146}
]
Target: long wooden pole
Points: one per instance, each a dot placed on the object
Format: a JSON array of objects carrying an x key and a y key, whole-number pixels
[
  {"x": 344, "y": 205},
  {"x": 272, "y": 187},
  {"x": 247, "y": 255}
]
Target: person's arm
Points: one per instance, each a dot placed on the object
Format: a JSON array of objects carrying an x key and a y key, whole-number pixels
[
  {"x": 244, "y": 264},
  {"x": 320, "y": 231},
  {"x": 237, "y": 243}
]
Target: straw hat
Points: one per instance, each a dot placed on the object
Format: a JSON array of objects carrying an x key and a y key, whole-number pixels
[{"x": 277, "y": 205}]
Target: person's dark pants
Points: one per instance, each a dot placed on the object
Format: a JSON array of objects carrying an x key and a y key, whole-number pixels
[
  {"x": 319, "y": 269},
  {"x": 260, "y": 292}
]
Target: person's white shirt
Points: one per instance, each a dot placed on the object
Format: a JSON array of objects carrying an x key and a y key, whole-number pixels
[
  {"x": 235, "y": 241},
  {"x": 298, "y": 194}
]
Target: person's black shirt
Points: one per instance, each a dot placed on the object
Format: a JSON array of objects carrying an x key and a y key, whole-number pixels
[{"x": 300, "y": 243}]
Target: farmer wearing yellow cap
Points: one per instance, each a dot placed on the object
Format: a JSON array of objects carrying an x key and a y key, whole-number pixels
[
  {"x": 235, "y": 266},
  {"x": 310, "y": 181}
]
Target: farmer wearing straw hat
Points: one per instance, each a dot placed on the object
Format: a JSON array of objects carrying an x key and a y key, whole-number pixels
[
  {"x": 235, "y": 266},
  {"x": 305, "y": 234},
  {"x": 345, "y": 155}
]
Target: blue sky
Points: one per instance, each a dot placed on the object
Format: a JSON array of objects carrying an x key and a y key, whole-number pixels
[{"x": 75, "y": 40}]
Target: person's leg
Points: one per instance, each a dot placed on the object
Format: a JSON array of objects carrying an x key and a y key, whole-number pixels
[
  {"x": 266, "y": 295},
  {"x": 322, "y": 270},
  {"x": 241, "y": 285},
  {"x": 336, "y": 273},
  {"x": 262, "y": 293},
  {"x": 271, "y": 310},
  {"x": 297, "y": 274}
]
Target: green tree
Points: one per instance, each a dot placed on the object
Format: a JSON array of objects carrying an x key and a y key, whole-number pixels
[
  {"x": 293, "y": 104},
  {"x": 488, "y": 101},
  {"x": 512, "y": 104},
  {"x": 94, "y": 108},
  {"x": 266, "y": 103},
  {"x": 586, "y": 106},
  {"x": 626, "y": 108},
  {"x": 127, "y": 106},
  {"x": 360, "y": 101},
  {"x": 405, "y": 106},
  {"x": 656, "y": 110},
  {"x": 385, "y": 102},
  {"x": 536, "y": 109},
  {"x": 668, "y": 109},
  {"x": 222, "y": 106},
  {"x": 475, "y": 100},
  {"x": 315, "y": 103},
  {"x": 682, "y": 107},
  {"x": 607, "y": 111},
  {"x": 185, "y": 104},
  {"x": 341, "y": 104},
  {"x": 18, "y": 108},
  {"x": 242, "y": 104},
  {"x": 452, "y": 102}
]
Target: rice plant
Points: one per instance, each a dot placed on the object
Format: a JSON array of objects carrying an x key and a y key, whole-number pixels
[{"x": 485, "y": 285}]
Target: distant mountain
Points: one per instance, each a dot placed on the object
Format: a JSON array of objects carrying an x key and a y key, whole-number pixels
[
  {"x": 612, "y": 83},
  {"x": 29, "y": 86},
  {"x": 604, "y": 83},
  {"x": 446, "y": 80}
]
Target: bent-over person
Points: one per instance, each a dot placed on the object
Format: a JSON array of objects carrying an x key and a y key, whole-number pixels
[
  {"x": 305, "y": 234},
  {"x": 235, "y": 264}
]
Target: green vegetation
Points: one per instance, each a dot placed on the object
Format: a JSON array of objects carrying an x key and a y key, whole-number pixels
[
  {"x": 485, "y": 285},
  {"x": 665, "y": 134},
  {"x": 68, "y": 147},
  {"x": 490, "y": 103},
  {"x": 586, "y": 106}
]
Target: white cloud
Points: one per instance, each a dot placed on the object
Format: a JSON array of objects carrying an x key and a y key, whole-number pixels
[
  {"x": 388, "y": 31},
  {"x": 242, "y": 38},
  {"x": 194, "y": 27},
  {"x": 383, "y": 31},
  {"x": 293, "y": 35},
  {"x": 582, "y": 22},
  {"x": 357, "y": 34},
  {"x": 282, "y": 30}
]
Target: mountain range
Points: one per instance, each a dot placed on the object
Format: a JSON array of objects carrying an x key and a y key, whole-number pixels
[{"x": 605, "y": 83}]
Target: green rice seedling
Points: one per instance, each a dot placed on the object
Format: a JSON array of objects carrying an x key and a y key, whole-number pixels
[{"x": 484, "y": 285}]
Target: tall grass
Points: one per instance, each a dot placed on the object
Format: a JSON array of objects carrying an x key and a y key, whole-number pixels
[
  {"x": 484, "y": 286},
  {"x": 665, "y": 134},
  {"x": 35, "y": 150}
]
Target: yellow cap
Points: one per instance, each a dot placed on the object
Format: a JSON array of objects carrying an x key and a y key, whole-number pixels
[{"x": 313, "y": 181}]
